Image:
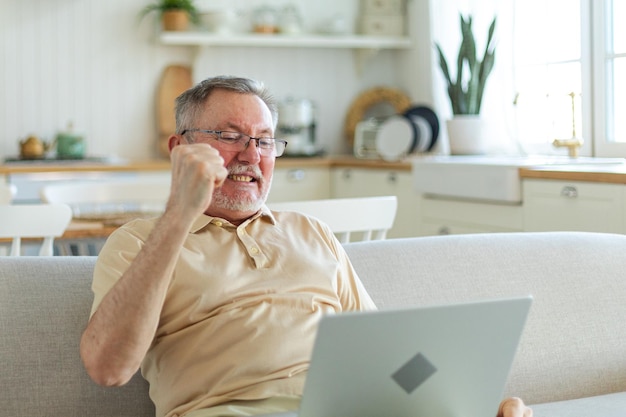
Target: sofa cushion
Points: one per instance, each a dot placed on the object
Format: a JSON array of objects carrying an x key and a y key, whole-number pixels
[{"x": 44, "y": 307}]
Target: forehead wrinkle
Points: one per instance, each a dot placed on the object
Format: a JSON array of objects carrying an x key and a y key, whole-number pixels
[
  {"x": 234, "y": 127},
  {"x": 244, "y": 113}
]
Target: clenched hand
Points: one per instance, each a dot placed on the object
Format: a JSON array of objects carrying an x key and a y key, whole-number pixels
[{"x": 197, "y": 169}]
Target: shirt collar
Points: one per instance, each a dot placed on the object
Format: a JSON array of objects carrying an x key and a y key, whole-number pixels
[{"x": 204, "y": 220}]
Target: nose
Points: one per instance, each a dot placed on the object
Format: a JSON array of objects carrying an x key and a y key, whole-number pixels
[{"x": 251, "y": 152}]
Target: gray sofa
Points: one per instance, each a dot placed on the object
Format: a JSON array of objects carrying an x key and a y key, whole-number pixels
[{"x": 571, "y": 361}]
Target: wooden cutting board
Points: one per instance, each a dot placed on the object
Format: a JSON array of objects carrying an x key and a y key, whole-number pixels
[{"x": 174, "y": 80}]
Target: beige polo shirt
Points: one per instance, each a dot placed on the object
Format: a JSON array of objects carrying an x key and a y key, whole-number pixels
[{"x": 241, "y": 312}]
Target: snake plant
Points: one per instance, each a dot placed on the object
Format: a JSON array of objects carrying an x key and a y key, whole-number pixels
[{"x": 466, "y": 92}]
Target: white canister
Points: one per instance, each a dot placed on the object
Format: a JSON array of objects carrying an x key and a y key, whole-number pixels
[{"x": 296, "y": 112}]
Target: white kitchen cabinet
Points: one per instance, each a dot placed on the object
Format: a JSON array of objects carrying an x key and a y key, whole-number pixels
[
  {"x": 366, "y": 182},
  {"x": 300, "y": 183},
  {"x": 551, "y": 205},
  {"x": 442, "y": 216}
]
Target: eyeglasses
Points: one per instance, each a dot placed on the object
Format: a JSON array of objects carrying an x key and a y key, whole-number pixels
[{"x": 237, "y": 142}]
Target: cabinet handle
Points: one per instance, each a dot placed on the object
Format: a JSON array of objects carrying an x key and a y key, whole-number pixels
[
  {"x": 569, "y": 192},
  {"x": 392, "y": 177},
  {"x": 296, "y": 175},
  {"x": 346, "y": 174},
  {"x": 444, "y": 230}
]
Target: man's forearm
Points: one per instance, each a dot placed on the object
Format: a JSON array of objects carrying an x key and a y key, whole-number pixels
[{"x": 123, "y": 327}]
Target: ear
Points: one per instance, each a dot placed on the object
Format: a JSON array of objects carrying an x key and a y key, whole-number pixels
[{"x": 173, "y": 141}]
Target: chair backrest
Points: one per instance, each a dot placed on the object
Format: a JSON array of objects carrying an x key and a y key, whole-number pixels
[
  {"x": 364, "y": 218},
  {"x": 7, "y": 192},
  {"x": 45, "y": 221},
  {"x": 108, "y": 196}
]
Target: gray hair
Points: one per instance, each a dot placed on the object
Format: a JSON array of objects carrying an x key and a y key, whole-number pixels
[{"x": 190, "y": 104}]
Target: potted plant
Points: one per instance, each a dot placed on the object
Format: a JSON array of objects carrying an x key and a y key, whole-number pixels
[
  {"x": 466, "y": 90},
  {"x": 175, "y": 14}
]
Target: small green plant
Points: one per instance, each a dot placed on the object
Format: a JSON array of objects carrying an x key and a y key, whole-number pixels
[
  {"x": 161, "y": 6},
  {"x": 466, "y": 92}
]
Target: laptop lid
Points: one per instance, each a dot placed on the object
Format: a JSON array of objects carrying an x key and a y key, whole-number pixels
[{"x": 441, "y": 361}]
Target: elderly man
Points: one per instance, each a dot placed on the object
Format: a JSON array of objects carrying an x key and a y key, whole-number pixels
[{"x": 218, "y": 299}]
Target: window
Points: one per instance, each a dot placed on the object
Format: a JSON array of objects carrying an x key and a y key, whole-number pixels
[{"x": 570, "y": 74}]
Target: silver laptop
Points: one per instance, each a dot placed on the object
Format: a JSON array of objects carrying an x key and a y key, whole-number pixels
[{"x": 441, "y": 361}]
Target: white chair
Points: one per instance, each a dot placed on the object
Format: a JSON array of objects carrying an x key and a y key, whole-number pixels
[
  {"x": 107, "y": 201},
  {"x": 45, "y": 221},
  {"x": 7, "y": 192},
  {"x": 366, "y": 217},
  {"x": 97, "y": 197}
]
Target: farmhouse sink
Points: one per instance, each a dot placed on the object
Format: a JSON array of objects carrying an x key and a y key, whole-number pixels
[{"x": 492, "y": 178}]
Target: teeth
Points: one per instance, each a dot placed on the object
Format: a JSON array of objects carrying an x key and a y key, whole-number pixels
[{"x": 241, "y": 178}]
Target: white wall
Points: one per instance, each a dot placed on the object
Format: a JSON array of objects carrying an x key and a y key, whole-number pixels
[
  {"x": 82, "y": 60},
  {"x": 91, "y": 62}
]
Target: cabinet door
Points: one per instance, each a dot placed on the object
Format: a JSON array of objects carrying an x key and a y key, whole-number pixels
[
  {"x": 361, "y": 182},
  {"x": 297, "y": 184},
  {"x": 578, "y": 206},
  {"x": 441, "y": 216}
]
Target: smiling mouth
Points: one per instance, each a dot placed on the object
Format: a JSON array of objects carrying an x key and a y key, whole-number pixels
[{"x": 241, "y": 178}]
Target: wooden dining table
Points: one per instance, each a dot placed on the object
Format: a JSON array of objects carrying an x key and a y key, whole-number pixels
[
  {"x": 87, "y": 234},
  {"x": 80, "y": 229},
  {"x": 101, "y": 225},
  {"x": 90, "y": 228}
]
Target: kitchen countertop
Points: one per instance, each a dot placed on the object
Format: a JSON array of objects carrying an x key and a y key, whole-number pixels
[
  {"x": 348, "y": 161},
  {"x": 342, "y": 161},
  {"x": 607, "y": 173},
  {"x": 615, "y": 174},
  {"x": 25, "y": 167}
]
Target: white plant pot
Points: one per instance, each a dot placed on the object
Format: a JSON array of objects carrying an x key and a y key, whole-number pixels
[{"x": 467, "y": 135}]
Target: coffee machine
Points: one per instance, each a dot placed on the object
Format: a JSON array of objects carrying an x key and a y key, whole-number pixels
[{"x": 296, "y": 125}]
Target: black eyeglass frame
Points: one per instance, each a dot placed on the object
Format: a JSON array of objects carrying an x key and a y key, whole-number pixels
[{"x": 218, "y": 133}]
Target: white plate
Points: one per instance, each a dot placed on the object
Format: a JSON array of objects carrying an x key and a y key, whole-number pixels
[
  {"x": 427, "y": 124},
  {"x": 395, "y": 138},
  {"x": 425, "y": 133}
]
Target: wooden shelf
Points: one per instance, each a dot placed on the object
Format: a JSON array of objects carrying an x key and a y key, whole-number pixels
[{"x": 285, "y": 41}]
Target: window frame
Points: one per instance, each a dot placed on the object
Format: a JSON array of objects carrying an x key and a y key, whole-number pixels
[{"x": 602, "y": 25}]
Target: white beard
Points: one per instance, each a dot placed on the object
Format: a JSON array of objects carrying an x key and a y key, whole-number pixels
[{"x": 244, "y": 202}]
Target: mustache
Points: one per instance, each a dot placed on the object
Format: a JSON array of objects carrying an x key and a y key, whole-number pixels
[{"x": 239, "y": 169}]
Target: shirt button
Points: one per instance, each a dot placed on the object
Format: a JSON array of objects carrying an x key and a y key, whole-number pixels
[
  {"x": 218, "y": 223},
  {"x": 254, "y": 250}
]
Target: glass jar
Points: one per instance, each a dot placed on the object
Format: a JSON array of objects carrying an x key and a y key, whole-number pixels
[
  {"x": 290, "y": 20},
  {"x": 265, "y": 20}
]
